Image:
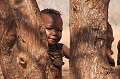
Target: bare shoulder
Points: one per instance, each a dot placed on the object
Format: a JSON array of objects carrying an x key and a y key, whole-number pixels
[{"x": 65, "y": 50}]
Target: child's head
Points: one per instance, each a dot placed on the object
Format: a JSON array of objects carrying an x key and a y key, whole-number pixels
[{"x": 53, "y": 24}]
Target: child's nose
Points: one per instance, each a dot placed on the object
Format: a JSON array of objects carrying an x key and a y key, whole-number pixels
[{"x": 54, "y": 32}]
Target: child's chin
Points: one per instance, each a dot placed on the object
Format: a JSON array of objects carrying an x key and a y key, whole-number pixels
[{"x": 52, "y": 43}]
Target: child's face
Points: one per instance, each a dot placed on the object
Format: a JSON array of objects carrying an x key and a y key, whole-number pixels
[{"x": 53, "y": 25}]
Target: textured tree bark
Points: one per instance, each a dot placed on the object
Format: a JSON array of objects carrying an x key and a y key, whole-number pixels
[
  {"x": 7, "y": 40},
  {"x": 23, "y": 44},
  {"x": 88, "y": 30}
]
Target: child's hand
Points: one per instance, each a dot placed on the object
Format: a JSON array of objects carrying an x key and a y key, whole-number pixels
[{"x": 118, "y": 46}]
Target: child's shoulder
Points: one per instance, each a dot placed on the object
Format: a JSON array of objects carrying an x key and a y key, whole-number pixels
[
  {"x": 60, "y": 43},
  {"x": 65, "y": 49},
  {"x": 60, "y": 46}
]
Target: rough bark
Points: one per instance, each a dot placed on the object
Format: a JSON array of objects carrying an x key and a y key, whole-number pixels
[
  {"x": 23, "y": 44},
  {"x": 7, "y": 39},
  {"x": 88, "y": 30}
]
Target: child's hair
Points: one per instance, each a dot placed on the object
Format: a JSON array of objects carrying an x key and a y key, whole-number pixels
[{"x": 51, "y": 11}]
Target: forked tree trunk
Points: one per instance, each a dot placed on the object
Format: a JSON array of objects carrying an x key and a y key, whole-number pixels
[
  {"x": 88, "y": 30},
  {"x": 23, "y": 44}
]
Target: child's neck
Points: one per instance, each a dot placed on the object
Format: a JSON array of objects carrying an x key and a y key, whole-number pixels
[{"x": 53, "y": 47}]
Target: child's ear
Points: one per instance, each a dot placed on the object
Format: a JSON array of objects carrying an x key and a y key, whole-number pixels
[{"x": 118, "y": 46}]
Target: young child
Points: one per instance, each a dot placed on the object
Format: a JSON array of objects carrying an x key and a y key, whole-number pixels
[{"x": 54, "y": 25}]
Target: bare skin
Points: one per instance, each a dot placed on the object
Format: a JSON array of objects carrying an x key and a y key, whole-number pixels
[{"x": 54, "y": 26}]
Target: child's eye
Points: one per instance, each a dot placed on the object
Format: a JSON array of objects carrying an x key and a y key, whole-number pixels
[
  {"x": 59, "y": 30},
  {"x": 49, "y": 28}
]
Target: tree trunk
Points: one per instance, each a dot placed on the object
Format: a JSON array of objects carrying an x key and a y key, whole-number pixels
[
  {"x": 23, "y": 44},
  {"x": 88, "y": 30}
]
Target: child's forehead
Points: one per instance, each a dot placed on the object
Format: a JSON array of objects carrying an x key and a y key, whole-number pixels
[{"x": 51, "y": 15}]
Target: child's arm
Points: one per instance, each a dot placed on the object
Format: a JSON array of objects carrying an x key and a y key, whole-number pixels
[{"x": 66, "y": 51}]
